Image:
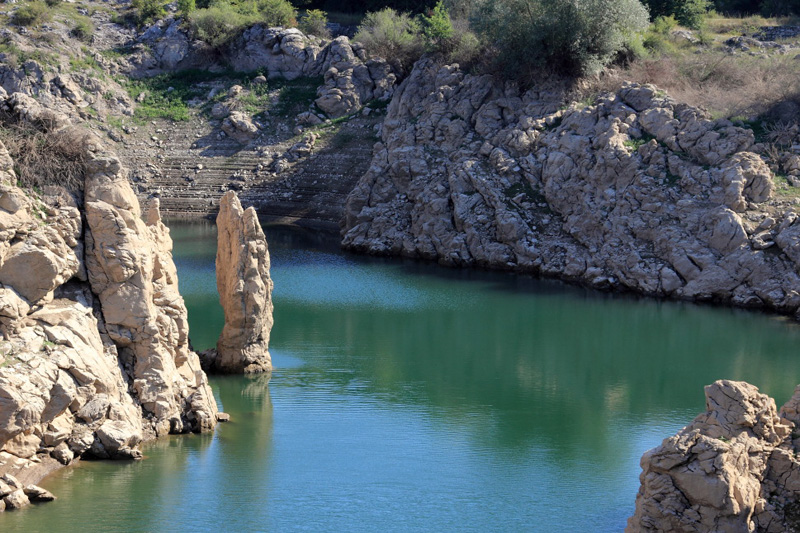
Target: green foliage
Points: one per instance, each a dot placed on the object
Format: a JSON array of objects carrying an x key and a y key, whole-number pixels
[
  {"x": 185, "y": 7},
  {"x": 295, "y": 95},
  {"x": 664, "y": 24},
  {"x": 436, "y": 24},
  {"x": 52, "y": 3},
  {"x": 277, "y": 13},
  {"x": 148, "y": 11},
  {"x": 31, "y": 14},
  {"x": 315, "y": 22},
  {"x": 223, "y": 21},
  {"x": 219, "y": 24},
  {"x": 83, "y": 29},
  {"x": 575, "y": 38},
  {"x": 391, "y": 35},
  {"x": 689, "y": 13}
]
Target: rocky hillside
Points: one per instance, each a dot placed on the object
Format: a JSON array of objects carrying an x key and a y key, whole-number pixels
[
  {"x": 633, "y": 192},
  {"x": 95, "y": 354}
]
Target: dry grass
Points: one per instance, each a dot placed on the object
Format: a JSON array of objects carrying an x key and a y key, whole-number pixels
[
  {"x": 725, "y": 85},
  {"x": 44, "y": 158}
]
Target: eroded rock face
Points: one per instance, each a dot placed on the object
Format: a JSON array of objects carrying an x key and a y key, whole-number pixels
[
  {"x": 635, "y": 192},
  {"x": 130, "y": 268},
  {"x": 94, "y": 357},
  {"x": 732, "y": 469},
  {"x": 245, "y": 289}
]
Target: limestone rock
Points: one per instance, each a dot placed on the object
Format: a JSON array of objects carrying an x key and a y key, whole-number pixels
[
  {"x": 732, "y": 469},
  {"x": 635, "y": 192},
  {"x": 245, "y": 289},
  {"x": 37, "y": 494},
  {"x": 130, "y": 268},
  {"x": 16, "y": 500},
  {"x": 240, "y": 127}
]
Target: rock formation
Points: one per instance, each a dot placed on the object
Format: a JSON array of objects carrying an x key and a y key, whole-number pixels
[
  {"x": 635, "y": 192},
  {"x": 733, "y": 469},
  {"x": 94, "y": 356},
  {"x": 245, "y": 290},
  {"x": 351, "y": 79}
]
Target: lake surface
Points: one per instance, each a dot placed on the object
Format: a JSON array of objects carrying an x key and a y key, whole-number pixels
[{"x": 408, "y": 397}]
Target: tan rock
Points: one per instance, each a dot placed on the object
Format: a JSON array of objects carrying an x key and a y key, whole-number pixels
[
  {"x": 130, "y": 267},
  {"x": 245, "y": 289},
  {"x": 725, "y": 471}
]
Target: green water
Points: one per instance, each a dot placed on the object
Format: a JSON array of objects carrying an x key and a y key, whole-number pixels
[{"x": 407, "y": 397}]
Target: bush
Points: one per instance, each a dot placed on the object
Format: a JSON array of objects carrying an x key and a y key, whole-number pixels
[
  {"x": 148, "y": 10},
  {"x": 565, "y": 36},
  {"x": 277, "y": 13},
  {"x": 689, "y": 13},
  {"x": 393, "y": 36},
  {"x": 83, "y": 29},
  {"x": 31, "y": 14},
  {"x": 52, "y": 3},
  {"x": 436, "y": 24},
  {"x": 219, "y": 24},
  {"x": 315, "y": 22},
  {"x": 186, "y": 7}
]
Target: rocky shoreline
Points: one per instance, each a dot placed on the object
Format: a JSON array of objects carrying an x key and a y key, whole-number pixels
[{"x": 635, "y": 192}]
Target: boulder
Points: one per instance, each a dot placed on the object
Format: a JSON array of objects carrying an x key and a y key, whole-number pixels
[{"x": 239, "y": 127}]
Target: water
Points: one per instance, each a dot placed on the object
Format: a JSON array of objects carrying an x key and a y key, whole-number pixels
[{"x": 408, "y": 397}]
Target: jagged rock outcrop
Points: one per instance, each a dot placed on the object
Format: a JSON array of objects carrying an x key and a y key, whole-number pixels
[
  {"x": 130, "y": 268},
  {"x": 94, "y": 355},
  {"x": 733, "y": 469},
  {"x": 245, "y": 291},
  {"x": 635, "y": 192}
]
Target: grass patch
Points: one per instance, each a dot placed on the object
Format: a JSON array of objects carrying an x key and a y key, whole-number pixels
[
  {"x": 633, "y": 144},
  {"x": 295, "y": 96},
  {"x": 16, "y": 56},
  {"x": 784, "y": 188}
]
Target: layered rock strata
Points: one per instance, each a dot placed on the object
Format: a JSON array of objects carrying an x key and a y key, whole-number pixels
[
  {"x": 245, "y": 291},
  {"x": 94, "y": 356},
  {"x": 733, "y": 469},
  {"x": 635, "y": 192}
]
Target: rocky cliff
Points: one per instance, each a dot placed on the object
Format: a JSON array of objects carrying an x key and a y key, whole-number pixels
[
  {"x": 733, "y": 469},
  {"x": 94, "y": 357},
  {"x": 634, "y": 192}
]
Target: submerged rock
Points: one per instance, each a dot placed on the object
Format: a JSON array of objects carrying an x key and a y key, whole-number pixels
[
  {"x": 733, "y": 469},
  {"x": 245, "y": 290}
]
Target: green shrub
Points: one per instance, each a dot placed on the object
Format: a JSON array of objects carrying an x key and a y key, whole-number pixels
[
  {"x": 31, "y": 14},
  {"x": 463, "y": 47},
  {"x": 186, "y": 7},
  {"x": 315, "y": 22},
  {"x": 277, "y": 13},
  {"x": 148, "y": 10},
  {"x": 393, "y": 36},
  {"x": 689, "y": 13},
  {"x": 566, "y": 36},
  {"x": 436, "y": 24},
  {"x": 219, "y": 24},
  {"x": 83, "y": 29},
  {"x": 52, "y": 3},
  {"x": 664, "y": 25}
]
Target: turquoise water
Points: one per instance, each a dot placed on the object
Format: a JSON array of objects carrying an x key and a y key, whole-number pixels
[{"x": 407, "y": 397}]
